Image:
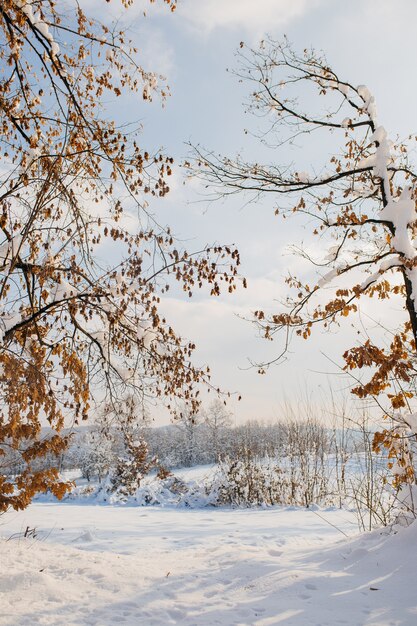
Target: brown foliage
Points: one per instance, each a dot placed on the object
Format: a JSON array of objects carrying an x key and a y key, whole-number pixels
[{"x": 79, "y": 291}]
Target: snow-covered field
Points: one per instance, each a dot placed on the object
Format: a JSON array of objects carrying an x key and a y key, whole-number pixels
[{"x": 144, "y": 566}]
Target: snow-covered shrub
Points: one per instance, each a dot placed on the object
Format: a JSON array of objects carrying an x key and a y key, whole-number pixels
[
  {"x": 250, "y": 482},
  {"x": 95, "y": 455},
  {"x": 132, "y": 467},
  {"x": 157, "y": 491},
  {"x": 306, "y": 453}
]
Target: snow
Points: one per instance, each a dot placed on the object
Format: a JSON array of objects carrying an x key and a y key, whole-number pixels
[
  {"x": 411, "y": 420},
  {"x": 303, "y": 177},
  {"x": 43, "y": 28},
  {"x": 4, "y": 252},
  {"x": 332, "y": 253},
  {"x": 35, "y": 19},
  {"x": 371, "y": 279},
  {"x": 55, "y": 48},
  {"x": 369, "y": 100},
  {"x": 383, "y": 158},
  {"x": 7, "y": 321},
  {"x": 379, "y": 135},
  {"x": 401, "y": 213},
  {"x": 369, "y": 161},
  {"x": 343, "y": 88},
  {"x": 364, "y": 93},
  {"x": 385, "y": 265},
  {"x": 390, "y": 263},
  {"x": 63, "y": 291},
  {"x": 327, "y": 278},
  {"x": 145, "y": 333},
  {"x": 103, "y": 565},
  {"x": 11, "y": 248}
]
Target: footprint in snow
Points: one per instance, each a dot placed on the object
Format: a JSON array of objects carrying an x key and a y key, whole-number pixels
[
  {"x": 311, "y": 586},
  {"x": 86, "y": 536},
  {"x": 96, "y": 577},
  {"x": 304, "y": 596},
  {"x": 357, "y": 554},
  {"x": 274, "y": 552}
]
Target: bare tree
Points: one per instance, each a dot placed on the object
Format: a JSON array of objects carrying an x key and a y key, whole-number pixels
[{"x": 217, "y": 420}]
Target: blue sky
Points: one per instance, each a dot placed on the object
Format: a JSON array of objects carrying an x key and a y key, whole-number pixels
[{"x": 366, "y": 41}]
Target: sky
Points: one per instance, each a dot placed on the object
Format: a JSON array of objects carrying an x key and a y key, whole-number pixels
[{"x": 368, "y": 42}]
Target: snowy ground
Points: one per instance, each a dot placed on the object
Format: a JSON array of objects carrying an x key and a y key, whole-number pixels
[{"x": 104, "y": 565}]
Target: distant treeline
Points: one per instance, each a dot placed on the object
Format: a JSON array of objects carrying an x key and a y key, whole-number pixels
[{"x": 198, "y": 440}]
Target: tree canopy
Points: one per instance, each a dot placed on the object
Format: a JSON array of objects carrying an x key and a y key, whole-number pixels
[
  {"x": 79, "y": 287},
  {"x": 360, "y": 204}
]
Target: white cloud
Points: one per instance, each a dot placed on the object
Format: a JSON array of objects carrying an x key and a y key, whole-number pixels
[
  {"x": 225, "y": 343},
  {"x": 246, "y": 15},
  {"x": 228, "y": 344},
  {"x": 156, "y": 52}
]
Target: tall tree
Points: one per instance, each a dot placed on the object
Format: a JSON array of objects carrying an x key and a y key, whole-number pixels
[
  {"x": 79, "y": 290},
  {"x": 361, "y": 205},
  {"x": 217, "y": 419}
]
